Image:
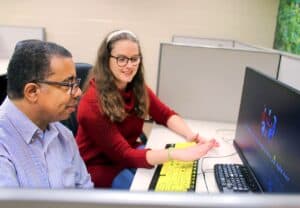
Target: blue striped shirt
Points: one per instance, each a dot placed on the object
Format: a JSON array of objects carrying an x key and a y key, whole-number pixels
[{"x": 31, "y": 158}]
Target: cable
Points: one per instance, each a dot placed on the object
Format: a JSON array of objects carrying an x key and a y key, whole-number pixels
[
  {"x": 203, "y": 158},
  {"x": 231, "y": 154},
  {"x": 204, "y": 176},
  {"x": 223, "y": 137},
  {"x": 204, "y": 172}
]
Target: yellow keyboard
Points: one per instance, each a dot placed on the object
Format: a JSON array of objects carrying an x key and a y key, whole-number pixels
[{"x": 175, "y": 176}]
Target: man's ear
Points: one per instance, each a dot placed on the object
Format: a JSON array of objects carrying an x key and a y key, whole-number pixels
[{"x": 31, "y": 92}]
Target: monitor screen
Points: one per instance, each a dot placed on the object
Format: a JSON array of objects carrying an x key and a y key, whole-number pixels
[{"x": 268, "y": 132}]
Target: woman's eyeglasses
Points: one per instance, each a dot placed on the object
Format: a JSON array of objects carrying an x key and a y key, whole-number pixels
[{"x": 123, "y": 60}]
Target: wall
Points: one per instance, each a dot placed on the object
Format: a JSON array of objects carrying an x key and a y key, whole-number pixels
[{"x": 81, "y": 25}]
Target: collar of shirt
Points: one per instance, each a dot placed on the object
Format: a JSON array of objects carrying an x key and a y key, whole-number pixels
[{"x": 26, "y": 128}]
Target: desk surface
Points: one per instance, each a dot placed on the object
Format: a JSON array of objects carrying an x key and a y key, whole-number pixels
[
  {"x": 226, "y": 153},
  {"x": 3, "y": 66}
]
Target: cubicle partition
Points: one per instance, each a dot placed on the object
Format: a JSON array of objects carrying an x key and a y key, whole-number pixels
[
  {"x": 215, "y": 42},
  {"x": 205, "y": 83},
  {"x": 10, "y": 35},
  {"x": 246, "y": 46},
  {"x": 289, "y": 70}
]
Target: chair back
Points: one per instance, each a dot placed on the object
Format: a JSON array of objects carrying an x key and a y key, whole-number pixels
[
  {"x": 3, "y": 87},
  {"x": 82, "y": 70}
]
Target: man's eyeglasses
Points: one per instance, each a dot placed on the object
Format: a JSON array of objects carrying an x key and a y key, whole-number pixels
[
  {"x": 123, "y": 60},
  {"x": 73, "y": 86}
]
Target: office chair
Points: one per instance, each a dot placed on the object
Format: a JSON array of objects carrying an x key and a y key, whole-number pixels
[
  {"x": 143, "y": 138},
  {"x": 3, "y": 87},
  {"x": 82, "y": 70}
]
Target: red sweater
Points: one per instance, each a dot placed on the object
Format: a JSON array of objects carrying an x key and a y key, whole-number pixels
[{"x": 109, "y": 147}]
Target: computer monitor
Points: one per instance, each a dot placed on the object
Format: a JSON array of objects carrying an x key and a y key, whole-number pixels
[{"x": 268, "y": 132}]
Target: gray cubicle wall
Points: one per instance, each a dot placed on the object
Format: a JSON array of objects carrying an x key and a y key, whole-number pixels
[
  {"x": 10, "y": 35},
  {"x": 247, "y": 46},
  {"x": 289, "y": 70},
  {"x": 206, "y": 83},
  {"x": 215, "y": 42}
]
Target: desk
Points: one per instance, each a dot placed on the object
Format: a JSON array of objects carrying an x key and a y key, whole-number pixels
[
  {"x": 226, "y": 153},
  {"x": 3, "y": 66}
]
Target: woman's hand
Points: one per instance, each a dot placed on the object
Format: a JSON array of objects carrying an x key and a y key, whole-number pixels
[
  {"x": 200, "y": 140},
  {"x": 194, "y": 152}
]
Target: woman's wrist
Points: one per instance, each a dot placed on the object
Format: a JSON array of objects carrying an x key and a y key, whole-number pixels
[{"x": 169, "y": 151}]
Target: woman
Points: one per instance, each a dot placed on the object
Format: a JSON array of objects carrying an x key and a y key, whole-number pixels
[{"x": 111, "y": 115}]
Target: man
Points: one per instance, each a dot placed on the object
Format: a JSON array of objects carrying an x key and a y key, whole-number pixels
[{"x": 36, "y": 151}]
